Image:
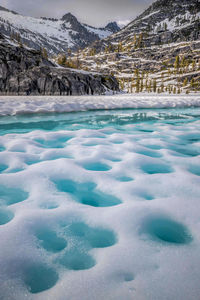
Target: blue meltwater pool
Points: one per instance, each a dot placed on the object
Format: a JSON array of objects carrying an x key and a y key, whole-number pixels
[{"x": 100, "y": 205}]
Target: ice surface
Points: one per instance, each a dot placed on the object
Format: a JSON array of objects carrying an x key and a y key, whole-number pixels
[
  {"x": 100, "y": 205},
  {"x": 12, "y": 105}
]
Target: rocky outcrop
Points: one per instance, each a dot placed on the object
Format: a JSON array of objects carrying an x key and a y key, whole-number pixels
[{"x": 25, "y": 72}]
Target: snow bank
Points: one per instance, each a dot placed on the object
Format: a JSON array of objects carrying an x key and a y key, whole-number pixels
[{"x": 12, "y": 105}]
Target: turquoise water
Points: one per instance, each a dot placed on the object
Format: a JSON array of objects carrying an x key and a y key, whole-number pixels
[
  {"x": 97, "y": 119},
  {"x": 74, "y": 186}
]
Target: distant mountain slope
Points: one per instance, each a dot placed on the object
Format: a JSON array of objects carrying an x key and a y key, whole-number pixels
[
  {"x": 158, "y": 51},
  {"x": 165, "y": 21},
  {"x": 55, "y": 35}
]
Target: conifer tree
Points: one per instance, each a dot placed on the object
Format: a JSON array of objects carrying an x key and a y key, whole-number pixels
[
  {"x": 177, "y": 63},
  {"x": 154, "y": 85},
  {"x": 174, "y": 90},
  {"x": 44, "y": 53},
  {"x": 185, "y": 82}
]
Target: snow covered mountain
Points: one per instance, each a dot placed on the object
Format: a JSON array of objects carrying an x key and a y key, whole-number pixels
[
  {"x": 55, "y": 35},
  {"x": 165, "y": 21},
  {"x": 160, "y": 47}
]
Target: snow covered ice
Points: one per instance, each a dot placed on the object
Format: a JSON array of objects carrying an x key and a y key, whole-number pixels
[
  {"x": 12, "y": 105},
  {"x": 99, "y": 204}
]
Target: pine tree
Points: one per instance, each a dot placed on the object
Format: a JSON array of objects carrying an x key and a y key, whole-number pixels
[
  {"x": 120, "y": 47},
  {"x": 162, "y": 87},
  {"x": 185, "y": 82},
  {"x": 44, "y": 53},
  {"x": 192, "y": 83},
  {"x": 137, "y": 85},
  {"x": 62, "y": 60},
  {"x": 154, "y": 85},
  {"x": 193, "y": 65},
  {"x": 165, "y": 26},
  {"x": 177, "y": 63},
  {"x": 174, "y": 90},
  {"x": 140, "y": 41}
]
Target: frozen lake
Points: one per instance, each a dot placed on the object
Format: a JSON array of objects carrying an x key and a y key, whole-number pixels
[{"x": 100, "y": 204}]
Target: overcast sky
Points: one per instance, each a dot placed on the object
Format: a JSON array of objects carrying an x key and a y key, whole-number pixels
[{"x": 92, "y": 12}]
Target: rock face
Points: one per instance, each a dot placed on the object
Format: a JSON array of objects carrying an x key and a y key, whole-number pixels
[
  {"x": 57, "y": 36},
  {"x": 26, "y": 72}
]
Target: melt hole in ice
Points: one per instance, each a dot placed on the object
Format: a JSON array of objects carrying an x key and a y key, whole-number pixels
[
  {"x": 39, "y": 277},
  {"x": 53, "y": 143},
  {"x": 5, "y": 216},
  {"x": 96, "y": 237},
  {"x": 191, "y": 137},
  {"x": 2, "y": 148},
  {"x": 91, "y": 144},
  {"x": 166, "y": 230},
  {"x": 156, "y": 168},
  {"x": 125, "y": 179},
  {"x": 185, "y": 150},
  {"x": 86, "y": 193},
  {"x": 50, "y": 241},
  {"x": 12, "y": 195},
  {"x": 153, "y": 147},
  {"x": 195, "y": 169},
  {"x": 3, "y": 167},
  {"x": 149, "y": 153},
  {"x": 82, "y": 239},
  {"x": 117, "y": 142},
  {"x": 96, "y": 166},
  {"x": 146, "y": 196},
  {"x": 128, "y": 277},
  {"x": 76, "y": 260}
]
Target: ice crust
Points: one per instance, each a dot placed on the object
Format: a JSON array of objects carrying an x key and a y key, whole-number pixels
[
  {"x": 12, "y": 105},
  {"x": 100, "y": 205}
]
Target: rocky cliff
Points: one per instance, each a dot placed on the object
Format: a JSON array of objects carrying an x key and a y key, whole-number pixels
[{"x": 24, "y": 71}]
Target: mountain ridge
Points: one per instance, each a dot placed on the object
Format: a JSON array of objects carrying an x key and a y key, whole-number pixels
[
  {"x": 162, "y": 22},
  {"x": 56, "y": 35}
]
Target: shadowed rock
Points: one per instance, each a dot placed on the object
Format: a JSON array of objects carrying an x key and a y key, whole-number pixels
[{"x": 25, "y": 72}]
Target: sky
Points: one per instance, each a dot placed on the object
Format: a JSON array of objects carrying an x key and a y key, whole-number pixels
[{"x": 92, "y": 12}]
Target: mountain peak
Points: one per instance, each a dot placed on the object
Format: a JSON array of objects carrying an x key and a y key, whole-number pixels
[
  {"x": 112, "y": 26},
  {"x": 57, "y": 36},
  {"x": 69, "y": 18},
  {"x": 7, "y": 10}
]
